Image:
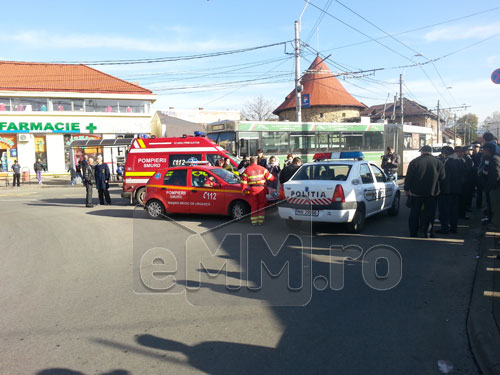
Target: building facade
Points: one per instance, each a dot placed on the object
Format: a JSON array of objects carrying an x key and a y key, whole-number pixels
[{"x": 45, "y": 107}]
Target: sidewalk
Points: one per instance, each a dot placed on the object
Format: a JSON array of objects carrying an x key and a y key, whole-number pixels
[
  {"x": 484, "y": 315},
  {"x": 48, "y": 182}
]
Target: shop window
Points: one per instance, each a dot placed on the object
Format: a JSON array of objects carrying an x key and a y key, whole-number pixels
[
  {"x": 131, "y": 106},
  {"x": 61, "y": 104},
  {"x": 41, "y": 149},
  {"x": 101, "y": 105},
  {"x": 5, "y": 104},
  {"x": 29, "y": 104}
]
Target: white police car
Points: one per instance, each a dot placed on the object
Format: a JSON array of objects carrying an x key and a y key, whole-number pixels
[{"x": 339, "y": 187}]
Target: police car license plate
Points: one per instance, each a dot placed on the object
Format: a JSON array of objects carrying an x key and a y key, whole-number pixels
[{"x": 302, "y": 212}]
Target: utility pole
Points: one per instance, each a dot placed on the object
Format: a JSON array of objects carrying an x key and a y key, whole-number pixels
[
  {"x": 298, "y": 85},
  {"x": 401, "y": 99},
  {"x": 438, "y": 126}
]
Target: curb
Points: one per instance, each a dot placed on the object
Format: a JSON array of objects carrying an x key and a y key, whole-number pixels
[{"x": 483, "y": 332}]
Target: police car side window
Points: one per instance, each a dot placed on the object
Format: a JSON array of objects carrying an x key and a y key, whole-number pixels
[
  {"x": 379, "y": 175},
  {"x": 176, "y": 178},
  {"x": 365, "y": 174}
]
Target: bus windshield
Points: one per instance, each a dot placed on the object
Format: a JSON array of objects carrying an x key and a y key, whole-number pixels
[{"x": 226, "y": 140}]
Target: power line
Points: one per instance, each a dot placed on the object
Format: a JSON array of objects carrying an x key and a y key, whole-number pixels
[
  {"x": 173, "y": 58},
  {"x": 318, "y": 21},
  {"x": 416, "y": 29}
]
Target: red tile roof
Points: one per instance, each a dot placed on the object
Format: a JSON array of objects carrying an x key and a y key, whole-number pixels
[
  {"x": 27, "y": 76},
  {"x": 323, "y": 88}
]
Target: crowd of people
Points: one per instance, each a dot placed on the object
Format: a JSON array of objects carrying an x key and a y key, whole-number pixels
[{"x": 448, "y": 184}]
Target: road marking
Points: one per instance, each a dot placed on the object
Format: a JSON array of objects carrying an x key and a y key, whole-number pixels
[
  {"x": 488, "y": 293},
  {"x": 492, "y": 234},
  {"x": 492, "y": 269},
  {"x": 494, "y": 249},
  {"x": 492, "y": 256},
  {"x": 18, "y": 194},
  {"x": 451, "y": 240},
  {"x": 18, "y": 200}
]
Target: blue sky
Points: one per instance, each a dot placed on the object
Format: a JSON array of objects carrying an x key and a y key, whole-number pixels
[{"x": 112, "y": 30}]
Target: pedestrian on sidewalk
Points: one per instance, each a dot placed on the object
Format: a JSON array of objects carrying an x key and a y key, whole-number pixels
[
  {"x": 39, "y": 167},
  {"x": 72, "y": 173},
  {"x": 422, "y": 185},
  {"x": 477, "y": 156},
  {"x": 272, "y": 186},
  {"x": 450, "y": 190},
  {"x": 102, "y": 177},
  {"x": 89, "y": 180},
  {"x": 492, "y": 185},
  {"x": 16, "y": 169}
]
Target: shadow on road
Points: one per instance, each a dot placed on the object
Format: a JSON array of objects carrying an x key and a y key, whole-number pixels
[{"x": 345, "y": 325}]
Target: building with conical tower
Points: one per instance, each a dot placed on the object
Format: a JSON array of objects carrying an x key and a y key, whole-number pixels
[{"x": 323, "y": 96}]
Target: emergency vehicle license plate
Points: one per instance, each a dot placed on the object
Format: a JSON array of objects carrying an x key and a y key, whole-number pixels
[{"x": 302, "y": 212}]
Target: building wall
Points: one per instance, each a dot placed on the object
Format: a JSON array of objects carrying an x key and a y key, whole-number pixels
[
  {"x": 26, "y": 153},
  {"x": 321, "y": 114}
]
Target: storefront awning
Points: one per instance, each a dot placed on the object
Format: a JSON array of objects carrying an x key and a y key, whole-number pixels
[{"x": 102, "y": 143}]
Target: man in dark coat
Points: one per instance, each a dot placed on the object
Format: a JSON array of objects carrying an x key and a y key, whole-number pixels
[
  {"x": 492, "y": 182},
  {"x": 261, "y": 160},
  {"x": 102, "y": 177},
  {"x": 422, "y": 185},
  {"x": 477, "y": 156},
  {"x": 451, "y": 188},
  {"x": 290, "y": 170},
  {"x": 88, "y": 178}
]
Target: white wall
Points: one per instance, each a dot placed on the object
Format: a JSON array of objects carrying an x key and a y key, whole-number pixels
[
  {"x": 26, "y": 154},
  {"x": 55, "y": 153}
]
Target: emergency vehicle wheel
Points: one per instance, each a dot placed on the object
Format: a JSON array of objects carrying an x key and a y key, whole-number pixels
[
  {"x": 394, "y": 210},
  {"x": 239, "y": 210},
  {"x": 140, "y": 195},
  {"x": 155, "y": 209},
  {"x": 358, "y": 221}
]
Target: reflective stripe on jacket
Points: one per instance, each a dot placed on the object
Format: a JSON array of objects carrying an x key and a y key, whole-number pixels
[{"x": 255, "y": 175}]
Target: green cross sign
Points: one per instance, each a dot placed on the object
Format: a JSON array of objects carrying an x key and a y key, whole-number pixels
[{"x": 90, "y": 127}]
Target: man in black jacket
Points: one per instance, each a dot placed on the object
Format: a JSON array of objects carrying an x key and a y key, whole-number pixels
[
  {"x": 290, "y": 170},
  {"x": 102, "y": 177},
  {"x": 390, "y": 163},
  {"x": 422, "y": 185},
  {"x": 88, "y": 180},
  {"x": 451, "y": 188}
]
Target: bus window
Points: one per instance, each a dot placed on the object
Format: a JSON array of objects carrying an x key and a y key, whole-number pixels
[
  {"x": 373, "y": 141},
  {"x": 248, "y": 142},
  {"x": 334, "y": 141},
  {"x": 227, "y": 141},
  {"x": 302, "y": 142},
  {"x": 275, "y": 142},
  {"x": 352, "y": 141},
  {"x": 323, "y": 141}
]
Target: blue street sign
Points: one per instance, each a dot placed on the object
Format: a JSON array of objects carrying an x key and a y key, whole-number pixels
[
  {"x": 306, "y": 100},
  {"x": 495, "y": 76}
]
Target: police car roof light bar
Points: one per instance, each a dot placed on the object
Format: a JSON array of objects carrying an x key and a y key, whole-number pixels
[{"x": 357, "y": 155}]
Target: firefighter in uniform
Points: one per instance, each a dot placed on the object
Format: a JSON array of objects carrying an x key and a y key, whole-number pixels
[{"x": 253, "y": 182}]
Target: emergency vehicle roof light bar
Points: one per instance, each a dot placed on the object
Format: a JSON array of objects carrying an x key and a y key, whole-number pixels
[
  {"x": 356, "y": 155},
  {"x": 197, "y": 162}
]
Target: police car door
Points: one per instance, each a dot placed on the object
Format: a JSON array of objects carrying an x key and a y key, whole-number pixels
[
  {"x": 368, "y": 189},
  {"x": 382, "y": 185}
]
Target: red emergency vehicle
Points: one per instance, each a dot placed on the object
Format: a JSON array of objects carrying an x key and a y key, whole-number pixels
[
  {"x": 196, "y": 189},
  {"x": 146, "y": 156}
]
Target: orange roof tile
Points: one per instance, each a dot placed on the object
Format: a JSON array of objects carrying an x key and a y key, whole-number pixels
[
  {"x": 27, "y": 76},
  {"x": 323, "y": 88}
]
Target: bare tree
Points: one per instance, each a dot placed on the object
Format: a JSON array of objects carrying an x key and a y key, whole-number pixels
[
  {"x": 259, "y": 109},
  {"x": 495, "y": 117}
]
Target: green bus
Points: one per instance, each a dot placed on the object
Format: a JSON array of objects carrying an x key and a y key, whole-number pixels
[{"x": 302, "y": 139}]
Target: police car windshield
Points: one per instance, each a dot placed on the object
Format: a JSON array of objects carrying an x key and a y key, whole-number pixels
[
  {"x": 323, "y": 172},
  {"x": 227, "y": 176}
]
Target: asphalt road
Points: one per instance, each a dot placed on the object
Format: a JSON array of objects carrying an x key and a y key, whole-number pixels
[{"x": 106, "y": 290}]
